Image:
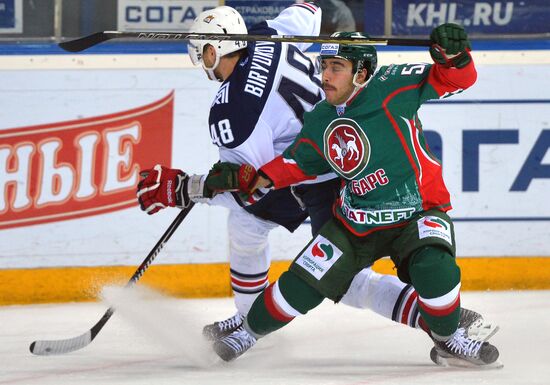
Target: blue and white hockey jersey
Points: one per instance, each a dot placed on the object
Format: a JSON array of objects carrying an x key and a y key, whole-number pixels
[{"x": 258, "y": 110}]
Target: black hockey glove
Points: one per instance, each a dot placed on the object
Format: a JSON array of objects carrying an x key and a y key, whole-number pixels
[{"x": 225, "y": 176}]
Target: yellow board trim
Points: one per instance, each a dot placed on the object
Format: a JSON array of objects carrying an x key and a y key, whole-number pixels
[{"x": 69, "y": 284}]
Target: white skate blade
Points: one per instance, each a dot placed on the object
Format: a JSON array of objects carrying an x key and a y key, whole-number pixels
[
  {"x": 458, "y": 363},
  {"x": 482, "y": 331}
]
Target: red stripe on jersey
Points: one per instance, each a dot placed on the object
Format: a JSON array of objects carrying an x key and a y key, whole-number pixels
[
  {"x": 440, "y": 311},
  {"x": 445, "y": 80},
  {"x": 272, "y": 308},
  {"x": 307, "y": 141},
  {"x": 407, "y": 308},
  {"x": 396, "y": 126},
  {"x": 432, "y": 187},
  {"x": 283, "y": 174},
  {"x": 257, "y": 283}
]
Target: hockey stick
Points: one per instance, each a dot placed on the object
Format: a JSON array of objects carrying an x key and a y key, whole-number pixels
[
  {"x": 86, "y": 42},
  {"x": 51, "y": 347}
]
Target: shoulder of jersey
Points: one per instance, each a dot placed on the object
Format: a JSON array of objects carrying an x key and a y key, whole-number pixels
[
  {"x": 396, "y": 71},
  {"x": 241, "y": 99},
  {"x": 309, "y": 6},
  {"x": 385, "y": 72}
]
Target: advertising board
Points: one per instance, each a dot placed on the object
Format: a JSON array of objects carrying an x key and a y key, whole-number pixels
[
  {"x": 160, "y": 15},
  {"x": 11, "y": 16}
]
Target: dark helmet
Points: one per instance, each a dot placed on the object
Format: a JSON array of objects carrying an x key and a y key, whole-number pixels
[{"x": 362, "y": 56}]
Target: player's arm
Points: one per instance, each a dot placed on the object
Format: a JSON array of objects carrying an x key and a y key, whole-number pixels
[
  {"x": 301, "y": 161},
  {"x": 407, "y": 86},
  {"x": 453, "y": 70},
  {"x": 281, "y": 172},
  {"x": 162, "y": 187}
]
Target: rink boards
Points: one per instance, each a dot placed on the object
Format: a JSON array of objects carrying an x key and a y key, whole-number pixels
[{"x": 76, "y": 129}]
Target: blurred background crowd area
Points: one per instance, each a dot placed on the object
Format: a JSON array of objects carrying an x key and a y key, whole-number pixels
[{"x": 35, "y": 20}]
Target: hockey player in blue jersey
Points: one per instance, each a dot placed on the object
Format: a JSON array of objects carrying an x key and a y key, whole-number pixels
[{"x": 265, "y": 89}]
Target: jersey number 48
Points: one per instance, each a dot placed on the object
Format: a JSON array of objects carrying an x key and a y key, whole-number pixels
[{"x": 221, "y": 135}]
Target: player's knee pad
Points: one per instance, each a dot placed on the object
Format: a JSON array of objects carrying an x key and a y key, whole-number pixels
[
  {"x": 297, "y": 293},
  {"x": 433, "y": 271},
  {"x": 248, "y": 239},
  {"x": 359, "y": 292},
  {"x": 247, "y": 235},
  {"x": 371, "y": 290}
]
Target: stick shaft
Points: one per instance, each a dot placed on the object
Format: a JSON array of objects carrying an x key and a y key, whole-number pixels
[
  {"x": 86, "y": 42},
  {"x": 146, "y": 263}
]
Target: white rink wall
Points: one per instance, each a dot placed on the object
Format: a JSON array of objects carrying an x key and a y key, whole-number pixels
[{"x": 495, "y": 156}]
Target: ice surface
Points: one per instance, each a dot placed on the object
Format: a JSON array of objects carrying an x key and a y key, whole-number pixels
[{"x": 156, "y": 340}]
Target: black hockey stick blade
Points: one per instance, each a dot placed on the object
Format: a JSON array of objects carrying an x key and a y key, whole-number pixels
[
  {"x": 89, "y": 41},
  {"x": 52, "y": 347},
  {"x": 85, "y": 42}
]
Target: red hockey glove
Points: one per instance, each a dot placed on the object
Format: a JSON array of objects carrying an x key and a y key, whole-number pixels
[{"x": 162, "y": 187}]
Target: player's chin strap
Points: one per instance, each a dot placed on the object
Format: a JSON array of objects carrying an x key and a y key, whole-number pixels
[
  {"x": 357, "y": 84},
  {"x": 210, "y": 70}
]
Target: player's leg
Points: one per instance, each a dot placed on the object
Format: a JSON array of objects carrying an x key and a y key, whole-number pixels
[
  {"x": 249, "y": 260},
  {"x": 436, "y": 277},
  {"x": 280, "y": 303},
  {"x": 323, "y": 269},
  {"x": 387, "y": 296},
  {"x": 427, "y": 247},
  {"x": 384, "y": 294}
]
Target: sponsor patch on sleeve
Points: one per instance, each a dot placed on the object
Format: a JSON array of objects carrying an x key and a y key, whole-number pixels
[
  {"x": 319, "y": 257},
  {"x": 431, "y": 226}
]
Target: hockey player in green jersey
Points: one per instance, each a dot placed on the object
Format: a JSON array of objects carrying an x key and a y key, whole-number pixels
[{"x": 393, "y": 199}]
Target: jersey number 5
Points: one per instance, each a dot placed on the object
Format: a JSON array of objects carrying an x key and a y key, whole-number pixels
[{"x": 414, "y": 69}]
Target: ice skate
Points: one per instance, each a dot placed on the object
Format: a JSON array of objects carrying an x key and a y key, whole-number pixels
[
  {"x": 476, "y": 328},
  {"x": 223, "y": 328},
  {"x": 234, "y": 345},
  {"x": 460, "y": 350}
]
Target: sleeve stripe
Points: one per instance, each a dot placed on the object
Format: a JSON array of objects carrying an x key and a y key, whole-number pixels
[
  {"x": 310, "y": 7},
  {"x": 307, "y": 141}
]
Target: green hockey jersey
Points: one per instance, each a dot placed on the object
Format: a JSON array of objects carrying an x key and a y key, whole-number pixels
[{"x": 376, "y": 144}]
